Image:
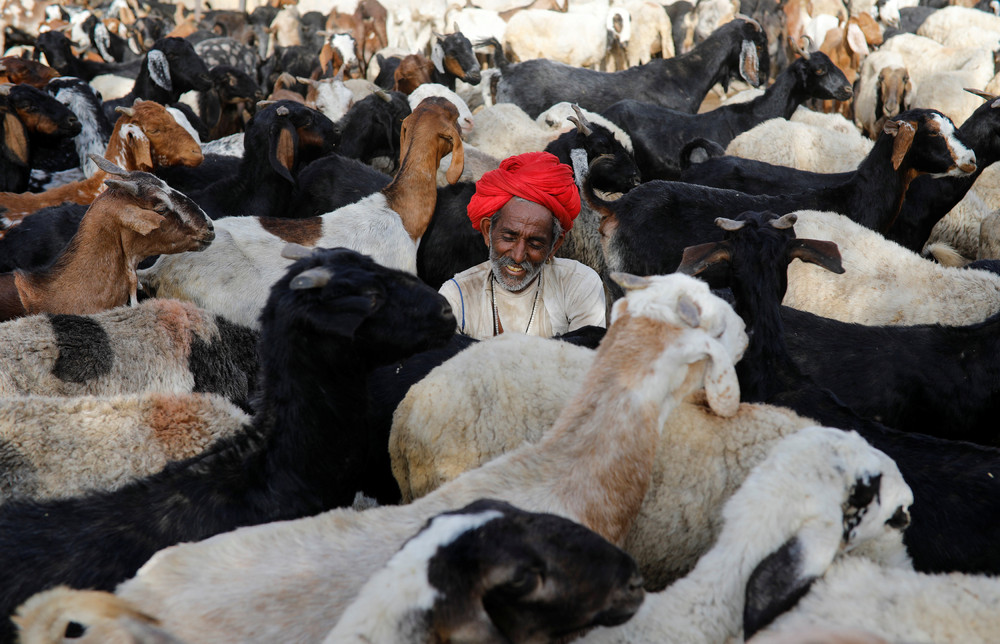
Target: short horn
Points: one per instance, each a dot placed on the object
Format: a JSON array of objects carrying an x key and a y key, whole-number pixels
[
  {"x": 980, "y": 93},
  {"x": 729, "y": 224},
  {"x": 785, "y": 221},
  {"x": 317, "y": 277},
  {"x": 296, "y": 251},
  {"x": 127, "y": 186},
  {"x": 384, "y": 95},
  {"x": 108, "y": 166}
]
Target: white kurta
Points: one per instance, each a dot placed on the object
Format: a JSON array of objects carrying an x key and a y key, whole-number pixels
[{"x": 571, "y": 296}]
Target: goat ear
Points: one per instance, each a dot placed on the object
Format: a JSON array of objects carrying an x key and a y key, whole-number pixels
[
  {"x": 141, "y": 150},
  {"x": 15, "y": 137},
  {"x": 856, "y": 39},
  {"x": 141, "y": 220},
  {"x": 749, "y": 64},
  {"x": 722, "y": 388},
  {"x": 457, "y": 158},
  {"x": 437, "y": 56},
  {"x": 159, "y": 69},
  {"x": 814, "y": 251},
  {"x": 903, "y": 132},
  {"x": 697, "y": 258},
  {"x": 775, "y": 586},
  {"x": 630, "y": 282},
  {"x": 325, "y": 56},
  {"x": 284, "y": 148}
]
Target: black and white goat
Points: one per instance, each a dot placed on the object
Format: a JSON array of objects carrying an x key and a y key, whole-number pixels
[
  {"x": 330, "y": 319},
  {"x": 737, "y": 49},
  {"x": 956, "y": 513},
  {"x": 645, "y": 231},
  {"x": 660, "y": 133}
]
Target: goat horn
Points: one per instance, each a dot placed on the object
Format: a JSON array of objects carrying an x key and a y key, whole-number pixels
[
  {"x": 262, "y": 104},
  {"x": 108, "y": 166},
  {"x": 785, "y": 221},
  {"x": 580, "y": 121},
  {"x": 753, "y": 22},
  {"x": 282, "y": 111},
  {"x": 317, "y": 277},
  {"x": 381, "y": 93},
  {"x": 630, "y": 282},
  {"x": 296, "y": 251},
  {"x": 980, "y": 93},
  {"x": 127, "y": 111},
  {"x": 729, "y": 224},
  {"x": 307, "y": 81},
  {"x": 796, "y": 49},
  {"x": 127, "y": 186}
]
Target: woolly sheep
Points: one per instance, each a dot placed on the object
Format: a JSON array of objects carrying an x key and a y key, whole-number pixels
[
  {"x": 802, "y": 146},
  {"x": 504, "y": 129},
  {"x": 818, "y": 493},
  {"x": 953, "y": 24},
  {"x": 575, "y": 471},
  {"x": 541, "y": 576},
  {"x": 883, "y": 282},
  {"x": 578, "y": 39},
  {"x": 61, "y": 447},
  {"x": 160, "y": 345},
  {"x": 511, "y": 390},
  {"x": 960, "y": 227}
]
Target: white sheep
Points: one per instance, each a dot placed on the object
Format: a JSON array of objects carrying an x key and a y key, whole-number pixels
[
  {"x": 961, "y": 226},
  {"x": 651, "y": 32},
  {"x": 802, "y": 146},
  {"x": 898, "y": 605},
  {"x": 883, "y": 282},
  {"x": 504, "y": 129},
  {"x": 230, "y": 146},
  {"x": 160, "y": 345},
  {"x": 250, "y": 585},
  {"x": 60, "y": 447},
  {"x": 476, "y": 164},
  {"x": 794, "y": 515},
  {"x": 961, "y": 25},
  {"x": 576, "y": 38},
  {"x": 510, "y": 390}
]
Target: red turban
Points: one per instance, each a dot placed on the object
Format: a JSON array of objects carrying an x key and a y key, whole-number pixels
[{"x": 535, "y": 176}]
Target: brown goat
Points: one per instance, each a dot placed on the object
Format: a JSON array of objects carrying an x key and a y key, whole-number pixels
[
  {"x": 137, "y": 217},
  {"x": 145, "y": 137},
  {"x": 413, "y": 71},
  {"x": 23, "y": 71},
  {"x": 429, "y": 133},
  {"x": 847, "y": 47}
]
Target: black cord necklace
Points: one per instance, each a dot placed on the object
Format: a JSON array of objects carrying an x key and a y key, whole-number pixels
[{"x": 497, "y": 326}]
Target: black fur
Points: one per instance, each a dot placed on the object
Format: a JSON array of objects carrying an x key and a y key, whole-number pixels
[
  {"x": 333, "y": 182},
  {"x": 84, "y": 348},
  {"x": 774, "y": 587},
  {"x": 227, "y": 365}
]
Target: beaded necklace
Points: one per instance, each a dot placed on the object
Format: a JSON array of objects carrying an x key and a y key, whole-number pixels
[{"x": 497, "y": 326}]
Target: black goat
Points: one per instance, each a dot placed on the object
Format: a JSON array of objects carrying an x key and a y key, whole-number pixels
[
  {"x": 279, "y": 140},
  {"x": 956, "y": 518},
  {"x": 40, "y": 237},
  {"x": 28, "y": 116},
  {"x": 95, "y": 131},
  {"x": 453, "y": 58},
  {"x": 660, "y": 133},
  {"x": 928, "y": 199},
  {"x": 58, "y": 50},
  {"x": 296, "y": 60},
  {"x": 736, "y": 49},
  {"x": 646, "y": 230},
  {"x": 221, "y": 108},
  {"x": 332, "y": 182},
  {"x": 334, "y": 316},
  {"x": 168, "y": 70},
  {"x": 372, "y": 127}
]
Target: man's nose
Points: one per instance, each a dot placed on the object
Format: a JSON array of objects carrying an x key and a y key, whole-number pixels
[{"x": 519, "y": 252}]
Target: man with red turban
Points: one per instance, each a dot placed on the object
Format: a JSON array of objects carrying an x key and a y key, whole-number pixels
[{"x": 524, "y": 210}]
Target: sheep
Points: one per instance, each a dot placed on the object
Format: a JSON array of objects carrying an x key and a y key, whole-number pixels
[
  {"x": 898, "y": 605},
  {"x": 87, "y": 617},
  {"x": 504, "y": 130},
  {"x": 738, "y": 48},
  {"x": 943, "y": 24},
  {"x": 577, "y": 39},
  {"x": 802, "y": 146},
  {"x": 575, "y": 472},
  {"x": 753, "y": 259},
  {"x": 145, "y": 136},
  {"x": 660, "y": 133},
  {"x": 385, "y": 225},
  {"x": 541, "y": 576},
  {"x": 122, "y": 226},
  {"x": 332, "y": 317},
  {"x": 465, "y": 119},
  {"x": 28, "y": 114},
  {"x": 636, "y": 240},
  {"x": 651, "y": 33},
  {"x": 818, "y": 493},
  {"x": 885, "y": 283},
  {"x": 61, "y": 447}
]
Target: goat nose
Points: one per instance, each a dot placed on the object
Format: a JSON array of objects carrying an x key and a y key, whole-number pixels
[{"x": 900, "y": 519}]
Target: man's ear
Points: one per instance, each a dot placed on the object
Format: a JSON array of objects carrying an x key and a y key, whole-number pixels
[
  {"x": 484, "y": 228},
  {"x": 555, "y": 246}
]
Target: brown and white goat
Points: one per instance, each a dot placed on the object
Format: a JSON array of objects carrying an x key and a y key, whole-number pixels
[
  {"x": 847, "y": 47},
  {"x": 145, "y": 137},
  {"x": 137, "y": 217}
]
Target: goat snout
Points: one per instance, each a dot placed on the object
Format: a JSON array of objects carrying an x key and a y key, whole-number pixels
[
  {"x": 900, "y": 519},
  {"x": 473, "y": 77},
  {"x": 624, "y": 602}
]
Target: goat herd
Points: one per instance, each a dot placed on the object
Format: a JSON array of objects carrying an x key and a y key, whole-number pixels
[{"x": 235, "y": 409}]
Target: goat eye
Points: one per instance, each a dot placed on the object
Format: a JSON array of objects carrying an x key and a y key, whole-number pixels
[{"x": 820, "y": 72}]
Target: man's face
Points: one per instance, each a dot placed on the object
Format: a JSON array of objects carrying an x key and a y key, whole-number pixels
[{"x": 520, "y": 241}]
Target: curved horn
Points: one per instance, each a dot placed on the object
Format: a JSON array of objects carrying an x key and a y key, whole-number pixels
[
  {"x": 729, "y": 224},
  {"x": 785, "y": 221},
  {"x": 753, "y": 22},
  {"x": 981, "y": 94},
  {"x": 127, "y": 111},
  {"x": 262, "y": 104},
  {"x": 127, "y": 186},
  {"x": 381, "y": 93},
  {"x": 307, "y": 81},
  {"x": 296, "y": 251},
  {"x": 796, "y": 49},
  {"x": 108, "y": 166},
  {"x": 581, "y": 122},
  {"x": 317, "y": 277}
]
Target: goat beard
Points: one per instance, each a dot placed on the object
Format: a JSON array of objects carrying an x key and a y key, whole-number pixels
[{"x": 498, "y": 263}]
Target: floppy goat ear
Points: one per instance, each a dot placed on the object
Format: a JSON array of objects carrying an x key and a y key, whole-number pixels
[
  {"x": 141, "y": 220},
  {"x": 159, "y": 69},
  {"x": 822, "y": 253},
  {"x": 457, "y": 158},
  {"x": 903, "y": 133},
  {"x": 697, "y": 258},
  {"x": 722, "y": 388}
]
